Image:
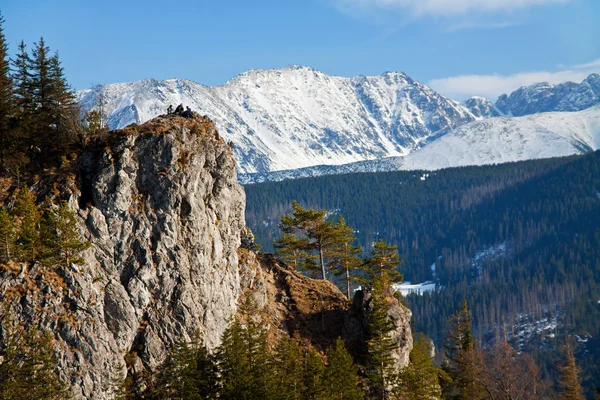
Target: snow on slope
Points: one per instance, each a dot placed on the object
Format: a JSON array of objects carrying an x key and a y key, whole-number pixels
[
  {"x": 296, "y": 117},
  {"x": 489, "y": 141},
  {"x": 499, "y": 140}
]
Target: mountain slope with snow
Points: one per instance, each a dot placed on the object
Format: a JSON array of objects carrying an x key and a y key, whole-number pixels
[
  {"x": 296, "y": 116},
  {"x": 545, "y": 97},
  {"x": 499, "y": 140},
  {"x": 488, "y": 141}
]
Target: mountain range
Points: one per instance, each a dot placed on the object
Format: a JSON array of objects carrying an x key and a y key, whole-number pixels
[{"x": 297, "y": 121}]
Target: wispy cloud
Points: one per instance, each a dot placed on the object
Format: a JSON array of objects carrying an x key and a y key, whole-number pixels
[
  {"x": 482, "y": 25},
  {"x": 444, "y": 7},
  {"x": 492, "y": 86}
]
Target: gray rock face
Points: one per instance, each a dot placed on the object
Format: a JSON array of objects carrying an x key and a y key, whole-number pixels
[
  {"x": 355, "y": 327},
  {"x": 164, "y": 212},
  {"x": 544, "y": 97},
  {"x": 481, "y": 107}
]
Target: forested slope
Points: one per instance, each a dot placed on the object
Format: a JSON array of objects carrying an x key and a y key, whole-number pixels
[{"x": 519, "y": 241}]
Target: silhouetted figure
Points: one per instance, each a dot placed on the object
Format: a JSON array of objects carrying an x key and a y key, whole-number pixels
[
  {"x": 170, "y": 109},
  {"x": 179, "y": 109},
  {"x": 187, "y": 113}
]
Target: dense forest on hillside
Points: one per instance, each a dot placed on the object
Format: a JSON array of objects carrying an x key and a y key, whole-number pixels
[{"x": 520, "y": 242}]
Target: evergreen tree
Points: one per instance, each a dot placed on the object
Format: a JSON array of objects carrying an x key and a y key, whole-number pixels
[
  {"x": 569, "y": 382},
  {"x": 341, "y": 374},
  {"x": 24, "y": 102},
  {"x": 344, "y": 255},
  {"x": 313, "y": 372},
  {"x": 462, "y": 364},
  {"x": 6, "y": 99},
  {"x": 382, "y": 372},
  {"x": 420, "y": 379},
  {"x": 289, "y": 383},
  {"x": 27, "y": 369},
  {"x": 295, "y": 251},
  {"x": 383, "y": 260},
  {"x": 61, "y": 239},
  {"x": 188, "y": 373},
  {"x": 311, "y": 225},
  {"x": 244, "y": 358},
  {"x": 7, "y": 236},
  {"x": 28, "y": 215}
]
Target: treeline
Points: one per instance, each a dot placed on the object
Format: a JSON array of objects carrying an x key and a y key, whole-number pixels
[
  {"x": 40, "y": 121},
  {"x": 248, "y": 365},
  {"x": 519, "y": 241}
]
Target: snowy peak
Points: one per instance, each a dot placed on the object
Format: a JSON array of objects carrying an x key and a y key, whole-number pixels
[
  {"x": 545, "y": 97},
  {"x": 481, "y": 107},
  {"x": 296, "y": 116}
]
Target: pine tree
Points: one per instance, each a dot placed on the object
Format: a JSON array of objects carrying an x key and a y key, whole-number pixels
[
  {"x": 6, "y": 99},
  {"x": 311, "y": 225},
  {"x": 7, "y": 236},
  {"x": 244, "y": 358},
  {"x": 189, "y": 372},
  {"x": 341, "y": 374},
  {"x": 420, "y": 379},
  {"x": 382, "y": 372},
  {"x": 28, "y": 215},
  {"x": 27, "y": 370},
  {"x": 61, "y": 239},
  {"x": 287, "y": 365},
  {"x": 313, "y": 373},
  {"x": 344, "y": 255},
  {"x": 24, "y": 103},
  {"x": 383, "y": 260},
  {"x": 295, "y": 251},
  {"x": 569, "y": 382},
  {"x": 462, "y": 364}
]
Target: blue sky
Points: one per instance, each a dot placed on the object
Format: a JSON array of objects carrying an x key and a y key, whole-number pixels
[{"x": 459, "y": 47}]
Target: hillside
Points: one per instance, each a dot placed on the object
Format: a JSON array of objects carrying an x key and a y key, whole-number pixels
[{"x": 519, "y": 241}]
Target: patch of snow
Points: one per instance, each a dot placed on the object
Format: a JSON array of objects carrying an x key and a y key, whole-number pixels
[{"x": 407, "y": 288}]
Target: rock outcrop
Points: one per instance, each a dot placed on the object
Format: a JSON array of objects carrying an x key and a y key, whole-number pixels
[
  {"x": 170, "y": 256},
  {"x": 162, "y": 207}
]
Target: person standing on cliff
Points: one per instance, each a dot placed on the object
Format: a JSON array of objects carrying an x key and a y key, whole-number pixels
[{"x": 170, "y": 109}]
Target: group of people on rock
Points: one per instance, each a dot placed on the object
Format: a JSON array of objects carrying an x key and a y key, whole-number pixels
[{"x": 187, "y": 113}]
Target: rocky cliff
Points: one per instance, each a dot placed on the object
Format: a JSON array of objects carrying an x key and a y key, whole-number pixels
[{"x": 164, "y": 213}]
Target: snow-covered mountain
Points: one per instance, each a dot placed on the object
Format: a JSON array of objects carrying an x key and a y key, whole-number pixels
[
  {"x": 297, "y": 121},
  {"x": 545, "y": 97},
  {"x": 481, "y": 107},
  {"x": 489, "y": 141},
  {"x": 296, "y": 117}
]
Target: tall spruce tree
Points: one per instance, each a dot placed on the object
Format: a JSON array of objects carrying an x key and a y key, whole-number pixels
[
  {"x": 28, "y": 367},
  {"x": 313, "y": 372},
  {"x": 188, "y": 373},
  {"x": 420, "y": 379},
  {"x": 24, "y": 103},
  {"x": 382, "y": 372},
  {"x": 569, "y": 381},
  {"x": 289, "y": 382},
  {"x": 61, "y": 238},
  {"x": 462, "y": 364},
  {"x": 295, "y": 251},
  {"x": 384, "y": 260},
  {"x": 344, "y": 257},
  {"x": 6, "y": 99},
  {"x": 28, "y": 216},
  {"x": 244, "y": 358},
  {"x": 341, "y": 374}
]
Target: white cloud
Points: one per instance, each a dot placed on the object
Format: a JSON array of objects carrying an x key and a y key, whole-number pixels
[
  {"x": 445, "y": 7},
  {"x": 491, "y": 86}
]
